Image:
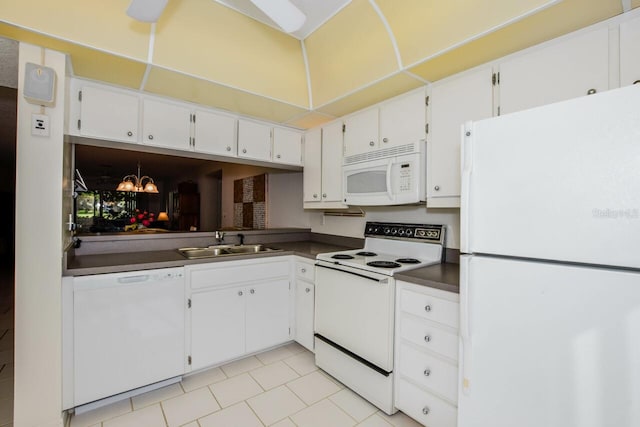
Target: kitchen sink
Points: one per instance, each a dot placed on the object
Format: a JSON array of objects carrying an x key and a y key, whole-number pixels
[{"x": 224, "y": 250}]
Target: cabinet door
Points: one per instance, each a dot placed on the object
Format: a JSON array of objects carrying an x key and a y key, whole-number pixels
[
  {"x": 109, "y": 114},
  {"x": 403, "y": 120},
  {"x": 332, "y": 149},
  {"x": 267, "y": 314},
  {"x": 304, "y": 313},
  {"x": 466, "y": 97},
  {"x": 361, "y": 132},
  {"x": 217, "y": 326},
  {"x": 287, "y": 146},
  {"x": 563, "y": 70},
  {"x": 630, "y": 52},
  {"x": 312, "y": 166},
  {"x": 215, "y": 134},
  {"x": 254, "y": 140},
  {"x": 166, "y": 125}
]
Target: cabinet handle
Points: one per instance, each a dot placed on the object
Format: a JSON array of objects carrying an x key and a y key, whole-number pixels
[
  {"x": 315, "y": 196},
  {"x": 228, "y": 148},
  {"x": 591, "y": 91},
  {"x": 427, "y": 338},
  {"x": 324, "y": 195},
  {"x": 437, "y": 188},
  {"x": 244, "y": 150},
  {"x": 371, "y": 143},
  {"x": 636, "y": 82},
  {"x": 278, "y": 156},
  {"x": 150, "y": 137},
  {"x": 307, "y": 290},
  {"x": 425, "y": 410},
  {"x": 240, "y": 293},
  {"x": 427, "y": 308},
  {"x": 427, "y": 372},
  {"x": 129, "y": 133},
  {"x": 385, "y": 139},
  {"x": 304, "y": 270},
  {"x": 252, "y": 291}
]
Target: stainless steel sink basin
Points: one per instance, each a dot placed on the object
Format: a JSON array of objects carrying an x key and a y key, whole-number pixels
[{"x": 223, "y": 250}]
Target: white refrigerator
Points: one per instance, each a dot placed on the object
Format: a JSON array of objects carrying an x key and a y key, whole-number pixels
[{"x": 550, "y": 271}]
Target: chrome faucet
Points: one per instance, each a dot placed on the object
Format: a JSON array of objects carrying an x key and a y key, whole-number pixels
[{"x": 219, "y": 236}]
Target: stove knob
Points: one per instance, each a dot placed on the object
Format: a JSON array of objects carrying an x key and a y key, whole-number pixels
[
  {"x": 409, "y": 232},
  {"x": 387, "y": 230},
  {"x": 394, "y": 231},
  {"x": 401, "y": 232}
]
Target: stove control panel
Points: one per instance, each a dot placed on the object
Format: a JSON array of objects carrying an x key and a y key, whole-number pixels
[{"x": 424, "y": 232}]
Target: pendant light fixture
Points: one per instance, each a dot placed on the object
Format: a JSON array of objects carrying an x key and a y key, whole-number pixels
[{"x": 136, "y": 184}]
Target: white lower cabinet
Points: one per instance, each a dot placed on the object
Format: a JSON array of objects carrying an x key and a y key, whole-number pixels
[
  {"x": 426, "y": 353},
  {"x": 237, "y": 308},
  {"x": 304, "y": 302}
]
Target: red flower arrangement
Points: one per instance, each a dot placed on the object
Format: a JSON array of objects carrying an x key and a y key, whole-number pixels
[{"x": 141, "y": 218}]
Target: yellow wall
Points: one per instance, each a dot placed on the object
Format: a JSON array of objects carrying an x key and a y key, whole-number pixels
[
  {"x": 351, "y": 50},
  {"x": 206, "y": 39}
]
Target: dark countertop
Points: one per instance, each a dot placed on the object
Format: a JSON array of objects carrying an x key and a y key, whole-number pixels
[
  {"x": 129, "y": 261},
  {"x": 445, "y": 277},
  {"x": 440, "y": 276}
]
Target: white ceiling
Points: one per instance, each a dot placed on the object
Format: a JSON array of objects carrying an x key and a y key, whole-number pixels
[{"x": 317, "y": 12}]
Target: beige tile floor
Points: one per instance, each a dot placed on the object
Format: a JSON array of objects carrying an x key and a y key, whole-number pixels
[{"x": 280, "y": 388}]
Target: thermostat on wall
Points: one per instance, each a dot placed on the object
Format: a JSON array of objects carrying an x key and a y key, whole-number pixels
[{"x": 39, "y": 84}]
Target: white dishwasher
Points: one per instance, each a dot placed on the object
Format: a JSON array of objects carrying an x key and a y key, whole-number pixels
[{"x": 128, "y": 331}]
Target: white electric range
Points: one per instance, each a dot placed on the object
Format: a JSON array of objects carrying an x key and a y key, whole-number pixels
[{"x": 354, "y": 304}]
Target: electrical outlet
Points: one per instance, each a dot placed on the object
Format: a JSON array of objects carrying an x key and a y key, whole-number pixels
[{"x": 39, "y": 125}]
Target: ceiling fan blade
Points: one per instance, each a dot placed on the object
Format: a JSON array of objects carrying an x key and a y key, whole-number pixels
[
  {"x": 146, "y": 10},
  {"x": 282, "y": 12}
]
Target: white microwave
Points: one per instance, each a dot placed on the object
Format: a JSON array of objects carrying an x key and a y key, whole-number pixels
[{"x": 396, "y": 180}]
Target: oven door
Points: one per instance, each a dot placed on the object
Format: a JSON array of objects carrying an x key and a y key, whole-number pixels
[{"x": 354, "y": 309}]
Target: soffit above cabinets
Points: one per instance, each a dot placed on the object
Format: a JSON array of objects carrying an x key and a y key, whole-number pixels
[{"x": 368, "y": 50}]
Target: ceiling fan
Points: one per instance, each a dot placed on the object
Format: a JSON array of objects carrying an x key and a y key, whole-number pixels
[{"x": 282, "y": 12}]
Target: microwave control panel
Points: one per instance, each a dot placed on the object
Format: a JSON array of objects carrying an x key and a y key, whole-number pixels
[{"x": 404, "y": 176}]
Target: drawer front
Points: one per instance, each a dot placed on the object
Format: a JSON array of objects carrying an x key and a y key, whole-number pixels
[
  {"x": 305, "y": 271},
  {"x": 428, "y": 371},
  {"x": 424, "y": 407},
  {"x": 429, "y": 337},
  {"x": 429, "y": 307},
  {"x": 228, "y": 273}
]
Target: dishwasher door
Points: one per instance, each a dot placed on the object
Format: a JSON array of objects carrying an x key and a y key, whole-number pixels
[{"x": 128, "y": 331}]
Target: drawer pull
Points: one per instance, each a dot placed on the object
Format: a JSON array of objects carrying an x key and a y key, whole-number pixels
[
  {"x": 252, "y": 291},
  {"x": 427, "y": 372},
  {"x": 239, "y": 293},
  {"x": 427, "y": 338},
  {"x": 303, "y": 270},
  {"x": 307, "y": 290},
  {"x": 427, "y": 308},
  {"x": 425, "y": 410}
]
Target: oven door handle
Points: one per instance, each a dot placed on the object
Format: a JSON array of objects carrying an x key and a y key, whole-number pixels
[{"x": 381, "y": 281}]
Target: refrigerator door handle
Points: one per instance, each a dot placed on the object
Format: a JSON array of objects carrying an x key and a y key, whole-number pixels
[
  {"x": 465, "y": 331},
  {"x": 466, "y": 166}
]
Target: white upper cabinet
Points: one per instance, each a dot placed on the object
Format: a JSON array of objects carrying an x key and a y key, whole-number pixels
[
  {"x": 630, "y": 52},
  {"x": 323, "y": 167},
  {"x": 398, "y": 121},
  {"x": 361, "y": 132},
  {"x": 560, "y": 70},
  {"x": 312, "y": 173},
  {"x": 287, "y": 146},
  {"x": 108, "y": 114},
  {"x": 215, "y": 133},
  {"x": 166, "y": 124},
  {"x": 403, "y": 120},
  {"x": 468, "y": 96},
  {"x": 254, "y": 140}
]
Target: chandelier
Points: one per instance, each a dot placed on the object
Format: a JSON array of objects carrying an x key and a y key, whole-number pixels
[{"x": 136, "y": 184}]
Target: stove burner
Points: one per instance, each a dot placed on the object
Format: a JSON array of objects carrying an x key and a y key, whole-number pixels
[
  {"x": 383, "y": 264},
  {"x": 408, "y": 261},
  {"x": 341, "y": 256},
  {"x": 366, "y": 253}
]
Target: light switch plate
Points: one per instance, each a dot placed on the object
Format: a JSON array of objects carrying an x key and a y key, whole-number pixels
[{"x": 39, "y": 125}]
